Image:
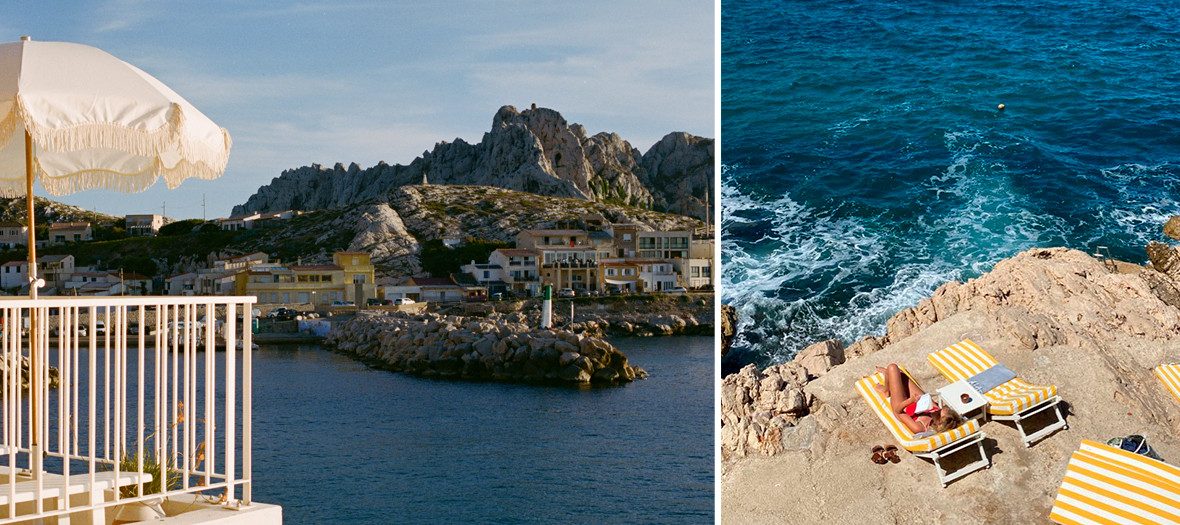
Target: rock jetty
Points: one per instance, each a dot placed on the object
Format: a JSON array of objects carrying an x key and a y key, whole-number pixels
[
  {"x": 496, "y": 347},
  {"x": 796, "y": 436}
]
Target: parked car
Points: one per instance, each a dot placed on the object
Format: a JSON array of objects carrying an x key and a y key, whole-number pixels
[
  {"x": 498, "y": 296},
  {"x": 100, "y": 327},
  {"x": 566, "y": 292},
  {"x": 373, "y": 301},
  {"x": 282, "y": 314},
  {"x": 676, "y": 290},
  {"x": 403, "y": 300}
]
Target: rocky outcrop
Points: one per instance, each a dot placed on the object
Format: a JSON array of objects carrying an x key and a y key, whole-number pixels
[
  {"x": 53, "y": 373},
  {"x": 679, "y": 168},
  {"x": 728, "y": 328},
  {"x": 534, "y": 151},
  {"x": 381, "y": 232},
  {"x": 1172, "y": 228},
  {"x": 1054, "y": 316},
  {"x": 496, "y": 347}
]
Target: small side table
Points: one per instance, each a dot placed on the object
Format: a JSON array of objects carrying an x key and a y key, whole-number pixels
[{"x": 953, "y": 396}]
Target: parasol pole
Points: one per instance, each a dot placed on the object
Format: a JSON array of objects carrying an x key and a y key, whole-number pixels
[{"x": 34, "y": 359}]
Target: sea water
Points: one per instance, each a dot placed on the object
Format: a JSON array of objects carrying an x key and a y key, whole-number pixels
[
  {"x": 865, "y": 161},
  {"x": 338, "y": 442}
]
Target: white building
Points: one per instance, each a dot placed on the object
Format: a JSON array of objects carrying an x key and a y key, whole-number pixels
[
  {"x": 238, "y": 222},
  {"x": 656, "y": 274},
  {"x": 521, "y": 271},
  {"x": 144, "y": 225},
  {"x": 13, "y": 234},
  {"x": 181, "y": 284},
  {"x": 63, "y": 232},
  {"x": 14, "y": 274}
]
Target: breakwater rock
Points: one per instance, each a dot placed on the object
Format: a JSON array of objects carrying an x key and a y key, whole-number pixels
[{"x": 496, "y": 347}]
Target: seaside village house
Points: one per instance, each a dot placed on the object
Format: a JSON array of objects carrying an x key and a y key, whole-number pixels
[
  {"x": 181, "y": 284},
  {"x": 427, "y": 289},
  {"x": 698, "y": 267},
  {"x": 594, "y": 255},
  {"x": 64, "y": 232},
  {"x": 568, "y": 259},
  {"x": 219, "y": 278},
  {"x": 144, "y": 225},
  {"x": 519, "y": 270},
  {"x": 238, "y": 222},
  {"x": 491, "y": 277},
  {"x": 55, "y": 269},
  {"x": 13, "y": 234},
  {"x": 350, "y": 278},
  {"x": 94, "y": 283}
]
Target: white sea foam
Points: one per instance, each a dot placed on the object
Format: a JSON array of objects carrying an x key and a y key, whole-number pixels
[{"x": 817, "y": 274}]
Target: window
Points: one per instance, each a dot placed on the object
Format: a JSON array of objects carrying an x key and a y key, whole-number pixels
[
  {"x": 303, "y": 297},
  {"x": 485, "y": 274},
  {"x": 77, "y": 236},
  {"x": 696, "y": 271},
  {"x": 356, "y": 261},
  {"x": 610, "y": 272},
  {"x": 706, "y": 271},
  {"x": 358, "y": 278},
  {"x": 626, "y": 236}
]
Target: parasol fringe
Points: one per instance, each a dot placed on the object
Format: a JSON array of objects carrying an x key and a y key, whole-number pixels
[
  {"x": 145, "y": 143},
  {"x": 108, "y": 179},
  {"x": 9, "y": 125}
]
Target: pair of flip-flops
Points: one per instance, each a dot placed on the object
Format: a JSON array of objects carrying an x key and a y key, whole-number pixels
[{"x": 885, "y": 454}]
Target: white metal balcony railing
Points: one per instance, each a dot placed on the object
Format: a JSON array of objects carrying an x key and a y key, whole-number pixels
[{"x": 151, "y": 387}]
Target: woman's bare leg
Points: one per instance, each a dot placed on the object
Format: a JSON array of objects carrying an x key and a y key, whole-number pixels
[{"x": 897, "y": 386}]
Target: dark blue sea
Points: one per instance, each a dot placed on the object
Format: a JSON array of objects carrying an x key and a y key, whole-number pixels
[
  {"x": 339, "y": 442},
  {"x": 865, "y": 161}
]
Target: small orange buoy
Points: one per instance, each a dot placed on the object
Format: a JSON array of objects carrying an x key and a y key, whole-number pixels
[{"x": 1000, "y": 107}]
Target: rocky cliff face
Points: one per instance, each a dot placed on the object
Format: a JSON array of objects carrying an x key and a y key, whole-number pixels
[
  {"x": 534, "y": 151},
  {"x": 1053, "y": 316}
]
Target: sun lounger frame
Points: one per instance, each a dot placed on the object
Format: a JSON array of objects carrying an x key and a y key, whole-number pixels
[
  {"x": 965, "y": 366},
  {"x": 952, "y": 441}
]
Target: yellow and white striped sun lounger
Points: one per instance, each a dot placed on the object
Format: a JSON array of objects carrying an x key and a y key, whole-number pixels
[
  {"x": 1013, "y": 401},
  {"x": 1106, "y": 485},
  {"x": 933, "y": 447},
  {"x": 1170, "y": 375}
]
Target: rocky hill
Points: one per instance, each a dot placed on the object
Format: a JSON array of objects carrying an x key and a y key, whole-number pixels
[
  {"x": 394, "y": 228},
  {"x": 534, "y": 151},
  {"x": 48, "y": 211},
  {"x": 797, "y": 437}
]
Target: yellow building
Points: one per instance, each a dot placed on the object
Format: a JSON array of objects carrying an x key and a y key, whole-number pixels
[{"x": 349, "y": 279}]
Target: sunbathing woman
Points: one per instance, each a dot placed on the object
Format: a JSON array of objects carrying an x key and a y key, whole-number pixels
[{"x": 905, "y": 399}]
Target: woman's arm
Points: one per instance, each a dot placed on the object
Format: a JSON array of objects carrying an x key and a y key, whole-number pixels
[{"x": 909, "y": 422}]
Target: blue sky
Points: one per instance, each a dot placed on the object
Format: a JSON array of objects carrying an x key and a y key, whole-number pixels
[{"x": 297, "y": 83}]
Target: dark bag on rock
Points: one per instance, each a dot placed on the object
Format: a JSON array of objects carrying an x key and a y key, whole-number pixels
[{"x": 1136, "y": 444}]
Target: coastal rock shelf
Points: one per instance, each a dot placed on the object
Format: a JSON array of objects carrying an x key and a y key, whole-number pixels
[
  {"x": 496, "y": 347},
  {"x": 798, "y": 435}
]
